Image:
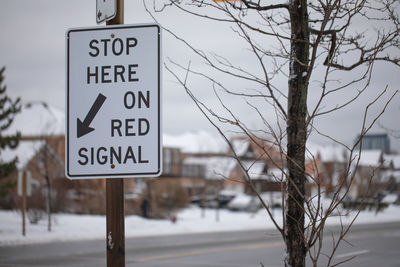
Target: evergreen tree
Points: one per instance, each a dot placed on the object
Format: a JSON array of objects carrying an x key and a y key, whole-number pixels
[{"x": 8, "y": 110}]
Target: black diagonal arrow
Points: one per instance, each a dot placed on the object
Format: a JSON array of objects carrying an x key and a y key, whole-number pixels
[
  {"x": 83, "y": 127},
  {"x": 99, "y": 15}
]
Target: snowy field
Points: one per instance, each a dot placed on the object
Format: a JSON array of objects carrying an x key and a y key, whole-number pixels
[{"x": 67, "y": 227}]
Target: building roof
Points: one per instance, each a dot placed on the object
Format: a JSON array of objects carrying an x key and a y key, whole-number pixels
[
  {"x": 327, "y": 153},
  {"x": 240, "y": 146},
  {"x": 388, "y": 174},
  {"x": 391, "y": 159},
  {"x": 35, "y": 120},
  {"x": 214, "y": 167},
  {"x": 370, "y": 158},
  {"x": 38, "y": 119},
  {"x": 25, "y": 151},
  {"x": 195, "y": 142}
]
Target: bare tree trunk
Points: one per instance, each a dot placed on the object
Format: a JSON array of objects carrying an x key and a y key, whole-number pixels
[
  {"x": 297, "y": 134},
  {"x": 48, "y": 203},
  {"x": 48, "y": 186}
]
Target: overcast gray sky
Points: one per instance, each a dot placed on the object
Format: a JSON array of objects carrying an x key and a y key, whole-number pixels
[{"x": 32, "y": 48}]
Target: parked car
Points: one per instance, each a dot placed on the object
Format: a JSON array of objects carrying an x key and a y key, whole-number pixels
[
  {"x": 244, "y": 202},
  {"x": 272, "y": 199},
  {"x": 219, "y": 200},
  {"x": 391, "y": 199},
  {"x": 226, "y": 196}
]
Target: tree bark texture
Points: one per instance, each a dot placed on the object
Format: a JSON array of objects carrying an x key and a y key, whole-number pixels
[{"x": 297, "y": 134}]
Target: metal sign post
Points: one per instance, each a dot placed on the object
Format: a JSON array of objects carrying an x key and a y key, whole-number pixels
[
  {"x": 115, "y": 216},
  {"x": 23, "y": 203}
]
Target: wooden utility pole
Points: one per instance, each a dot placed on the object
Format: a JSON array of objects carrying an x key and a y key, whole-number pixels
[
  {"x": 115, "y": 222},
  {"x": 115, "y": 212},
  {"x": 23, "y": 203}
]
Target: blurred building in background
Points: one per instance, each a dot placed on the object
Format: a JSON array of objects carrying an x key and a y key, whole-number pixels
[
  {"x": 376, "y": 142},
  {"x": 197, "y": 168}
]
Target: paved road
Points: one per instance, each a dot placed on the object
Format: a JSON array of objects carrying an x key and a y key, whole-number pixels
[{"x": 373, "y": 245}]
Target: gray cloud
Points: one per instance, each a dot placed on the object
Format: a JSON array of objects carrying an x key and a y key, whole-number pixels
[{"x": 32, "y": 48}]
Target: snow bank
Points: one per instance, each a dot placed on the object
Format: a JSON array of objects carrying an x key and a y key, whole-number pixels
[{"x": 67, "y": 227}]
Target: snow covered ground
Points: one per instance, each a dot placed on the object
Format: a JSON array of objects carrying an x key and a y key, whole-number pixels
[{"x": 67, "y": 227}]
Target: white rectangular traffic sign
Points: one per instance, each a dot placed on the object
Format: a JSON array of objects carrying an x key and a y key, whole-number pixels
[
  {"x": 105, "y": 10},
  {"x": 113, "y": 102}
]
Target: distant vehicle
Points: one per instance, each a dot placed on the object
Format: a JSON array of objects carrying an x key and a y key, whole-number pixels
[
  {"x": 272, "y": 199},
  {"x": 214, "y": 201},
  {"x": 244, "y": 202},
  {"x": 207, "y": 201},
  {"x": 226, "y": 196},
  {"x": 391, "y": 199}
]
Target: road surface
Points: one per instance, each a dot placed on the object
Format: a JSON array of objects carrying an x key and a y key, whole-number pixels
[{"x": 371, "y": 245}]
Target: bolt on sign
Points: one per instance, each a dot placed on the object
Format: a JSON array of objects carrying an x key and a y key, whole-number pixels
[{"x": 113, "y": 102}]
